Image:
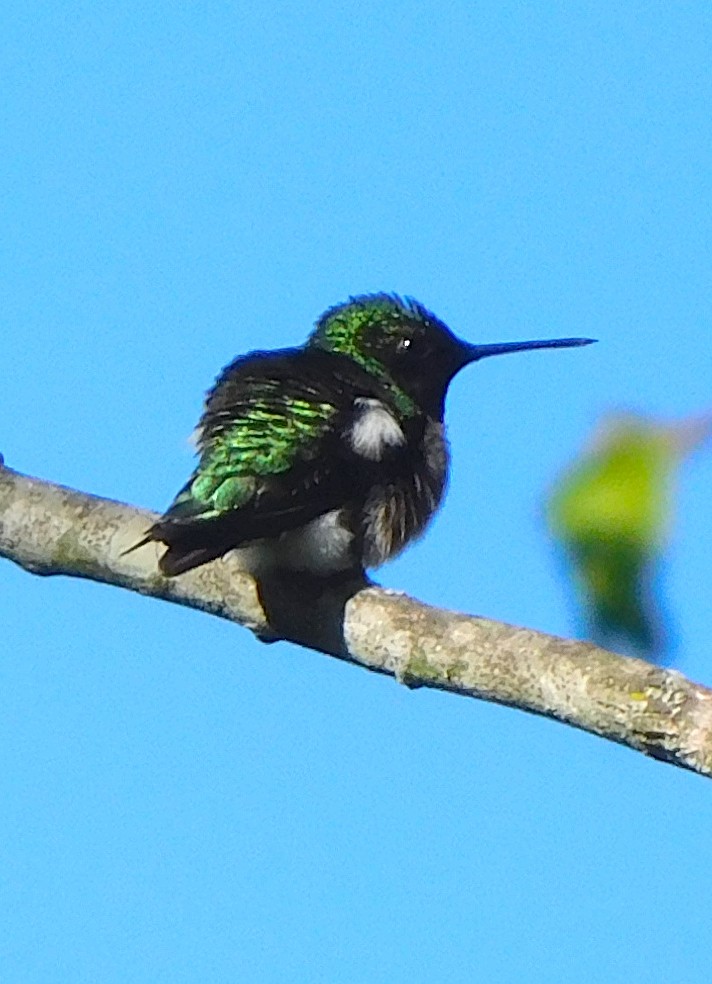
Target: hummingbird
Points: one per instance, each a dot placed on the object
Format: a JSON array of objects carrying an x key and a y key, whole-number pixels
[{"x": 328, "y": 458}]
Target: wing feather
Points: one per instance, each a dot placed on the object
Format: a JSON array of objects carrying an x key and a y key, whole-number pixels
[{"x": 273, "y": 454}]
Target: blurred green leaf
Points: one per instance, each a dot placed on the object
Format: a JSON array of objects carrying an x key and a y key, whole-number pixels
[{"x": 612, "y": 513}]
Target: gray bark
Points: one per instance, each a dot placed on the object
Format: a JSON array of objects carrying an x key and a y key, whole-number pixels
[{"x": 49, "y": 530}]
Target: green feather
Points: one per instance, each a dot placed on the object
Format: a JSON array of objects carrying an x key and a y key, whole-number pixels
[
  {"x": 267, "y": 440},
  {"x": 346, "y": 329}
]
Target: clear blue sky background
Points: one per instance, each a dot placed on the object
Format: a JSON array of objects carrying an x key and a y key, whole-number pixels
[{"x": 183, "y": 182}]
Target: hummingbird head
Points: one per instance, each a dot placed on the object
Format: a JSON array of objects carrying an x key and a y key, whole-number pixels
[{"x": 387, "y": 334}]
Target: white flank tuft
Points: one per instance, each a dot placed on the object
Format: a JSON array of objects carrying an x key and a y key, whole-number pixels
[{"x": 374, "y": 430}]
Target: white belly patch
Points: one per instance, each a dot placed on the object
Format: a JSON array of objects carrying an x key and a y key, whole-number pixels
[{"x": 321, "y": 547}]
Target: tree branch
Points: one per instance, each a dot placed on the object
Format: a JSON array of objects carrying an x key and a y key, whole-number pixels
[{"x": 48, "y": 529}]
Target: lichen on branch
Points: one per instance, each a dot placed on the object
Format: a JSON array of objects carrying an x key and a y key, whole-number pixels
[{"x": 48, "y": 529}]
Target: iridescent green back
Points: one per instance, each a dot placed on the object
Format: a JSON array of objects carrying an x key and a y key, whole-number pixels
[{"x": 264, "y": 434}]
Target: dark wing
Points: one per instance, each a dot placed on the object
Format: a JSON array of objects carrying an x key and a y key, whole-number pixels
[{"x": 272, "y": 456}]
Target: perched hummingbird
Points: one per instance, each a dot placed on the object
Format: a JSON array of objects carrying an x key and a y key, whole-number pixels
[{"x": 328, "y": 458}]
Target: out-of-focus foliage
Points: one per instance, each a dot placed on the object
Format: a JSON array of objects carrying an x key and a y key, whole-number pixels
[{"x": 612, "y": 514}]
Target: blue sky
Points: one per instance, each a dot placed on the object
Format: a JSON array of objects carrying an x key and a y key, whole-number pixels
[{"x": 183, "y": 182}]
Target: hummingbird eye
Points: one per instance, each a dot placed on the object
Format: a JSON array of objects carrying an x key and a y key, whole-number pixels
[{"x": 403, "y": 345}]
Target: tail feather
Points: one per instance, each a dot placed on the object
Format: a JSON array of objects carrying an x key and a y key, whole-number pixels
[
  {"x": 186, "y": 543},
  {"x": 148, "y": 538},
  {"x": 178, "y": 559}
]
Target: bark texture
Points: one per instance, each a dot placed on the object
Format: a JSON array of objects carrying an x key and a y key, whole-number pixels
[{"x": 48, "y": 529}]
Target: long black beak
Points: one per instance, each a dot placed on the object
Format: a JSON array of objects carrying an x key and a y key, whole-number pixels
[{"x": 476, "y": 352}]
